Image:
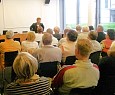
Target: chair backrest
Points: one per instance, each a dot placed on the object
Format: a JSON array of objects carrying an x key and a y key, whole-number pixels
[
  {"x": 48, "y": 69},
  {"x": 70, "y": 60},
  {"x": 103, "y": 54},
  {"x": 9, "y": 58},
  {"x": 82, "y": 91},
  {"x": 4, "y": 32},
  {"x": 106, "y": 86},
  {"x": 2, "y": 40},
  {"x": 17, "y": 39},
  {"x": 95, "y": 57}
]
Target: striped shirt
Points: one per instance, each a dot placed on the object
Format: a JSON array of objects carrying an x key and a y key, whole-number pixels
[{"x": 39, "y": 88}]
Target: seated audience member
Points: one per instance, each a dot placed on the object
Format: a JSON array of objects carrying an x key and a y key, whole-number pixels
[
  {"x": 92, "y": 36},
  {"x": 101, "y": 34},
  {"x": 82, "y": 74},
  {"x": 27, "y": 83},
  {"x": 110, "y": 37},
  {"x": 30, "y": 44},
  {"x": 64, "y": 37},
  {"x": 39, "y": 34},
  {"x": 54, "y": 40},
  {"x": 9, "y": 45},
  {"x": 57, "y": 33},
  {"x": 78, "y": 29},
  {"x": 113, "y": 43},
  {"x": 47, "y": 53},
  {"x": 68, "y": 47},
  {"x": 84, "y": 33},
  {"x": 106, "y": 85}
]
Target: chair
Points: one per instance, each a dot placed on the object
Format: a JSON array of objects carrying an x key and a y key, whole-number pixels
[
  {"x": 106, "y": 86},
  {"x": 1, "y": 83},
  {"x": 70, "y": 60},
  {"x": 103, "y": 54},
  {"x": 8, "y": 61},
  {"x": 4, "y": 32},
  {"x": 2, "y": 40},
  {"x": 95, "y": 57},
  {"x": 48, "y": 69},
  {"x": 17, "y": 39},
  {"x": 9, "y": 58},
  {"x": 82, "y": 91},
  {"x": 24, "y": 31},
  {"x": 7, "y": 72}
]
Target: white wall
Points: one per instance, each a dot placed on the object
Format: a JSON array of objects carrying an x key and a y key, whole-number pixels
[{"x": 18, "y": 15}]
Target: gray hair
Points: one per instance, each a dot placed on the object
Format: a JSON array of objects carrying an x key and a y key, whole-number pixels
[
  {"x": 47, "y": 39},
  {"x": 49, "y": 30},
  {"x": 9, "y": 34},
  {"x": 25, "y": 65}
]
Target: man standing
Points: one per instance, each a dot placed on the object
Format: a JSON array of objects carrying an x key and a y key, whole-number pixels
[{"x": 34, "y": 26}]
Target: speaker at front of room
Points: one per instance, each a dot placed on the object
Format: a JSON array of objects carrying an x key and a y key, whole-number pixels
[{"x": 47, "y": 1}]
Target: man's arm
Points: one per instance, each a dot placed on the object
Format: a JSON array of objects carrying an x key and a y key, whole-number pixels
[{"x": 58, "y": 79}]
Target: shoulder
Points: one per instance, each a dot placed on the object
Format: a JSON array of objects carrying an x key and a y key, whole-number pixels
[
  {"x": 66, "y": 68},
  {"x": 11, "y": 85},
  {"x": 17, "y": 42},
  {"x": 23, "y": 42},
  {"x": 34, "y": 23},
  {"x": 44, "y": 80}
]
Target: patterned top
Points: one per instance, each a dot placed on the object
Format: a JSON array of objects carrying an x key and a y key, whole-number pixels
[{"x": 41, "y": 87}]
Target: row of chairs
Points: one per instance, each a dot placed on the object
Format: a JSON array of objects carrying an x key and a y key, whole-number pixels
[
  {"x": 95, "y": 57},
  {"x": 47, "y": 69}
]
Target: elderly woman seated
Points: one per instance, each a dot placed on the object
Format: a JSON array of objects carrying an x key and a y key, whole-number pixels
[
  {"x": 25, "y": 67},
  {"x": 30, "y": 44}
]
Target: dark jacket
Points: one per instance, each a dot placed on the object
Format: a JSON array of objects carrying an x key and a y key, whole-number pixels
[
  {"x": 101, "y": 36},
  {"x": 33, "y": 27}
]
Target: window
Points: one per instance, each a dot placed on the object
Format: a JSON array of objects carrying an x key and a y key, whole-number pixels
[
  {"x": 70, "y": 13},
  {"x": 107, "y": 11}
]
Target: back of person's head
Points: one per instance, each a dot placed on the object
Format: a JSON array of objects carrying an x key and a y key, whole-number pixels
[
  {"x": 56, "y": 29},
  {"x": 78, "y": 28},
  {"x": 47, "y": 39},
  {"x": 111, "y": 34},
  {"x": 92, "y": 35},
  {"x": 66, "y": 30},
  {"x": 91, "y": 27},
  {"x": 72, "y": 35},
  {"x": 39, "y": 29},
  {"x": 85, "y": 29},
  {"x": 84, "y": 46},
  {"x": 49, "y": 30},
  {"x": 25, "y": 65},
  {"x": 100, "y": 28},
  {"x": 111, "y": 51},
  {"x": 9, "y": 34},
  {"x": 31, "y": 36}
]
